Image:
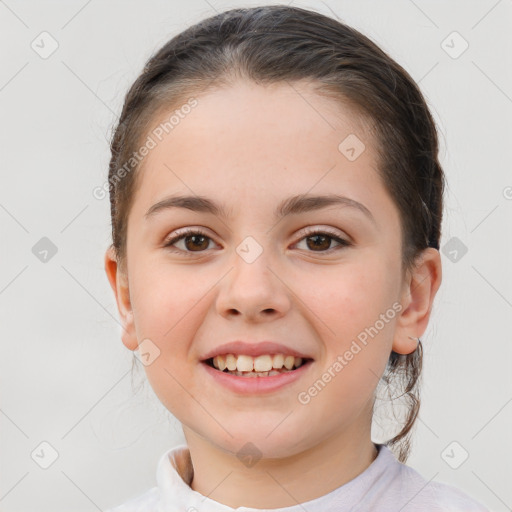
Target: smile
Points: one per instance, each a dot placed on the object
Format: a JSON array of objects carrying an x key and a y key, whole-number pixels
[
  {"x": 265, "y": 365},
  {"x": 245, "y": 374}
]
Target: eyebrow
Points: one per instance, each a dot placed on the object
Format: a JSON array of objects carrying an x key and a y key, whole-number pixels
[{"x": 298, "y": 204}]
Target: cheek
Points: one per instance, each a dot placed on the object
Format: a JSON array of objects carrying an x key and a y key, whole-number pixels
[
  {"x": 357, "y": 321},
  {"x": 167, "y": 311},
  {"x": 166, "y": 299},
  {"x": 348, "y": 298}
]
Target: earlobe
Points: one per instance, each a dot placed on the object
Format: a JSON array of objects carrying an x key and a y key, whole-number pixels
[
  {"x": 405, "y": 345},
  {"x": 119, "y": 283},
  {"x": 418, "y": 296}
]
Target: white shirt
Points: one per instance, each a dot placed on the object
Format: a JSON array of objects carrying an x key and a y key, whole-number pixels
[{"x": 386, "y": 485}]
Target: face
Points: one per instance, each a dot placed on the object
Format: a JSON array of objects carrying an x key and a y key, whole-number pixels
[{"x": 319, "y": 280}]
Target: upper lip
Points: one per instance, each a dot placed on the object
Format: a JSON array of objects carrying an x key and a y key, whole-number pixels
[{"x": 254, "y": 349}]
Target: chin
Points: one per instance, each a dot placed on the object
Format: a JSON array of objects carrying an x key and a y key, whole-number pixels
[{"x": 258, "y": 444}]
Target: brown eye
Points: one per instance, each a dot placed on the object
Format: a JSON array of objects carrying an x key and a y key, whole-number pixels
[
  {"x": 193, "y": 241},
  {"x": 196, "y": 242},
  {"x": 320, "y": 241}
]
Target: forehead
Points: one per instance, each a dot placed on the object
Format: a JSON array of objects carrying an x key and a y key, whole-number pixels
[
  {"x": 272, "y": 115},
  {"x": 248, "y": 139}
]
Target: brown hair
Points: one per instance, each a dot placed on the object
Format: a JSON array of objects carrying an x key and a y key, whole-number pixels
[{"x": 272, "y": 44}]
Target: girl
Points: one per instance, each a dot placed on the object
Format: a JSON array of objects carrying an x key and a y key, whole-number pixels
[{"x": 276, "y": 201}]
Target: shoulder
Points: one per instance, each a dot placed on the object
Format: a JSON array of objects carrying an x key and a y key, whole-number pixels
[
  {"x": 429, "y": 495},
  {"x": 451, "y": 498},
  {"x": 143, "y": 503}
]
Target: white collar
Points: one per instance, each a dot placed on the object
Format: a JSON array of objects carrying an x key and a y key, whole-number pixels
[{"x": 175, "y": 472}]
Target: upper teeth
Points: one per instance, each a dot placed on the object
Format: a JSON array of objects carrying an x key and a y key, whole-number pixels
[{"x": 263, "y": 363}]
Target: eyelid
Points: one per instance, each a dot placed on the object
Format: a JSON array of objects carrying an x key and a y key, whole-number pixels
[
  {"x": 323, "y": 229},
  {"x": 187, "y": 231},
  {"x": 342, "y": 240}
]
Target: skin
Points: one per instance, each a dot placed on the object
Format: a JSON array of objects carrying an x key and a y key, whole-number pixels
[{"x": 249, "y": 147}]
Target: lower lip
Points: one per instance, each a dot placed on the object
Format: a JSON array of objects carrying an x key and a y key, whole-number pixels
[{"x": 256, "y": 385}]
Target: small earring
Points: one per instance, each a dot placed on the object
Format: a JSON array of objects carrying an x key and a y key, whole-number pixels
[{"x": 417, "y": 341}]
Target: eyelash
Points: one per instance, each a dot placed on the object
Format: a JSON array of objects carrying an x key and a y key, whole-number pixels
[{"x": 196, "y": 231}]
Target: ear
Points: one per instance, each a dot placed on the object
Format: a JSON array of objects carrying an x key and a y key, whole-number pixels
[
  {"x": 119, "y": 282},
  {"x": 418, "y": 294}
]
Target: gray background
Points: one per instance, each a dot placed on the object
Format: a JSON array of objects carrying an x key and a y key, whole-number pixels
[{"x": 65, "y": 375}]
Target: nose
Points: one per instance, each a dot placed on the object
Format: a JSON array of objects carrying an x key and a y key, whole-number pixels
[{"x": 255, "y": 291}]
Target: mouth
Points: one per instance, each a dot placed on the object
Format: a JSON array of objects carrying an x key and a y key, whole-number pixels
[{"x": 267, "y": 365}]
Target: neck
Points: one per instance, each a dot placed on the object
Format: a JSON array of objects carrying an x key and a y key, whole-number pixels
[{"x": 279, "y": 483}]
